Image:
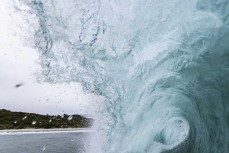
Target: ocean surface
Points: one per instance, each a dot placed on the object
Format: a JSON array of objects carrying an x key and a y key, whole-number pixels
[
  {"x": 162, "y": 67},
  {"x": 48, "y": 142}
]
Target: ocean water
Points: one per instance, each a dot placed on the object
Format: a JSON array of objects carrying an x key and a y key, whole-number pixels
[
  {"x": 49, "y": 142},
  {"x": 161, "y": 65}
]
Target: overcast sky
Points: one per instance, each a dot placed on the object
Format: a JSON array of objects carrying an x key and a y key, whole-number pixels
[{"x": 18, "y": 65}]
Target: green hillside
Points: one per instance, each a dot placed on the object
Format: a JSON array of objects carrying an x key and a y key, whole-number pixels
[{"x": 22, "y": 120}]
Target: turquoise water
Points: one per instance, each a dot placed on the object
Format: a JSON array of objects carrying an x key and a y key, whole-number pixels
[
  {"x": 161, "y": 65},
  {"x": 62, "y": 142}
]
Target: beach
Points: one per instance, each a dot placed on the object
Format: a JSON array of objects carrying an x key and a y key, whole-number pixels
[{"x": 54, "y": 130}]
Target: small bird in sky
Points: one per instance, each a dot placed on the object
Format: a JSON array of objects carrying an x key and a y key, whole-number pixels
[{"x": 19, "y": 85}]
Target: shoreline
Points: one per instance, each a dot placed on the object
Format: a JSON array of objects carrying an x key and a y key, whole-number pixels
[{"x": 52, "y": 130}]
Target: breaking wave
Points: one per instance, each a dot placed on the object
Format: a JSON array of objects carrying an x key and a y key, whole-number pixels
[{"x": 163, "y": 67}]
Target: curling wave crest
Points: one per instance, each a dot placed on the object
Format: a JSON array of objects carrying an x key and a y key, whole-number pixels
[{"x": 163, "y": 67}]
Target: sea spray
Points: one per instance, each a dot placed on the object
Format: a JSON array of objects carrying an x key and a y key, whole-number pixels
[{"x": 162, "y": 67}]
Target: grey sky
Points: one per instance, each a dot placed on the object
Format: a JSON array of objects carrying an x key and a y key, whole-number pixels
[{"x": 18, "y": 64}]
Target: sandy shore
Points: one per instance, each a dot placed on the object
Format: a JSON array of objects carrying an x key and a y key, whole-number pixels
[{"x": 12, "y": 131}]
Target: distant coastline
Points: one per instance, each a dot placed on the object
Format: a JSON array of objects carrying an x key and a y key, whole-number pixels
[{"x": 22, "y": 121}]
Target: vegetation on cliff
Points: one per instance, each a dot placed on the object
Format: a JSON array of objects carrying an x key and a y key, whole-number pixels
[{"x": 22, "y": 120}]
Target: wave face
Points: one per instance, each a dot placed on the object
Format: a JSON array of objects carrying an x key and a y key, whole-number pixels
[{"x": 163, "y": 67}]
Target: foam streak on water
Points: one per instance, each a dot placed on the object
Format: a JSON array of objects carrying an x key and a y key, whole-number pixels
[{"x": 163, "y": 67}]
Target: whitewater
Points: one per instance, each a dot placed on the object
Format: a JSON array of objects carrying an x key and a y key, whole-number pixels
[{"x": 162, "y": 67}]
